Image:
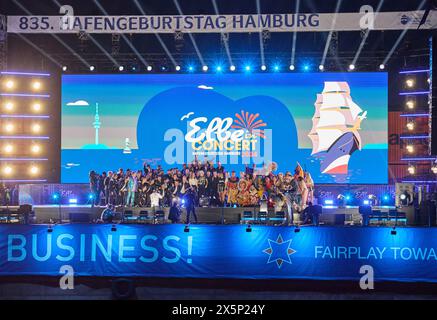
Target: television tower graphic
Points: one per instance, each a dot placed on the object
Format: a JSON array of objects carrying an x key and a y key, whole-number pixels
[{"x": 97, "y": 124}]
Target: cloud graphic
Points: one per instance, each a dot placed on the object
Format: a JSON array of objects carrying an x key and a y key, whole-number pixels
[
  {"x": 204, "y": 87},
  {"x": 78, "y": 103}
]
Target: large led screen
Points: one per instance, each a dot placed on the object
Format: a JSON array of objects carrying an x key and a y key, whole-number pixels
[{"x": 333, "y": 124}]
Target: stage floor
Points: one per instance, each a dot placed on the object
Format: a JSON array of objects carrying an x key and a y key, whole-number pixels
[{"x": 331, "y": 215}]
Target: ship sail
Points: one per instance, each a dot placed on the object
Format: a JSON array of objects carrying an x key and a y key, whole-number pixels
[{"x": 335, "y": 115}]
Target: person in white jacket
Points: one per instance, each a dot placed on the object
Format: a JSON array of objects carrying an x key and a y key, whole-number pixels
[{"x": 155, "y": 197}]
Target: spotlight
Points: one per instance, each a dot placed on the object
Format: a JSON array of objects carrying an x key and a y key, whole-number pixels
[
  {"x": 90, "y": 196},
  {"x": 321, "y": 67},
  {"x": 276, "y": 67},
  {"x": 410, "y": 125},
  {"x": 248, "y": 228},
  {"x": 351, "y": 67},
  {"x": 36, "y": 128},
  {"x": 366, "y": 202},
  {"x": 8, "y": 148},
  {"x": 218, "y": 68},
  {"x": 55, "y": 196},
  {"x": 306, "y": 67},
  {"x": 190, "y": 68},
  {"x": 64, "y": 68},
  {"x": 434, "y": 169},
  {"x": 9, "y": 127},
  {"x": 381, "y": 66},
  {"x": 92, "y": 68},
  {"x": 187, "y": 228},
  {"x": 178, "y": 68},
  {"x": 291, "y": 67},
  {"x": 410, "y": 104},
  {"x": 9, "y": 84},
  {"x": 385, "y": 197},
  {"x": 35, "y": 148},
  {"x": 34, "y": 170},
  {"x": 348, "y": 197},
  {"x": 263, "y": 68},
  {"x": 36, "y": 85},
  {"x": 409, "y": 83},
  {"x": 393, "y": 231},
  {"x": 403, "y": 196},
  {"x": 205, "y": 68},
  {"x": 9, "y": 106},
  {"x": 329, "y": 202},
  {"x": 232, "y": 68},
  {"x": 120, "y": 68},
  {"x": 72, "y": 201},
  {"x": 411, "y": 169},
  {"x": 410, "y": 148},
  {"x": 149, "y": 68},
  {"x": 247, "y": 68},
  {"x": 36, "y": 107},
  {"x": 7, "y": 170}
]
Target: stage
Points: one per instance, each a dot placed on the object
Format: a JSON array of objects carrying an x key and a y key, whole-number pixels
[{"x": 331, "y": 215}]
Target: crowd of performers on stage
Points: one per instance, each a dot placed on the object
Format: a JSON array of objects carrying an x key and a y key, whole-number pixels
[{"x": 207, "y": 184}]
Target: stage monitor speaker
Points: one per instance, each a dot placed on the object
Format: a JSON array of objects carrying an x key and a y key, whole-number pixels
[
  {"x": 433, "y": 95},
  {"x": 79, "y": 217}
]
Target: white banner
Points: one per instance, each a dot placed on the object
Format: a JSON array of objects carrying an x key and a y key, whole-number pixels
[{"x": 303, "y": 22}]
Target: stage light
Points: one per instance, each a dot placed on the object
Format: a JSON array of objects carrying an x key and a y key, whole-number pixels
[
  {"x": 8, "y": 148},
  {"x": 205, "y": 68},
  {"x": 232, "y": 68},
  {"x": 276, "y": 67},
  {"x": 218, "y": 68},
  {"x": 7, "y": 170},
  {"x": 64, "y": 68},
  {"x": 410, "y": 148},
  {"x": 55, "y": 196},
  {"x": 34, "y": 170},
  {"x": 403, "y": 196},
  {"x": 247, "y": 68},
  {"x": 72, "y": 201},
  {"x": 90, "y": 196},
  {"x": 366, "y": 202},
  {"x": 178, "y": 68},
  {"x": 385, "y": 197},
  {"x": 190, "y": 68},
  {"x": 36, "y": 107},
  {"x": 381, "y": 66},
  {"x": 348, "y": 197},
  {"x": 187, "y": 228},
  {"x": 263, "y": 68},
  {"x": 428, "y": 80},
  {"x": 409, "y": 83},
  {"x": 434, "y": 169},
  {"x": 351, "y": 67},
  {"x": 149, "y": 68},
  {"x": 36, "y": 85},
  {"x": 411, "y": 169},
  {"x": 329, "y": 202},
  {"x": 9, "y": 84},
  {"x": 410, "y": 104},
  {"x": 306, "y": 67},
  {"x": 120, "y": 68},
  {"x": 36, "y": 128},
  {"x": 35, "y": 148},
  {"x": 248, "y": 228},
  {"x": 92, "y": 68},
  {"x": 410, "y": 125},
  {"x": 291, "y": 67},
  {"x": 321, "y": 67},
  {"x": 9, "y": 127},
  {"x": 163, "y": 68},
  {"x": 9, "y": 106}
]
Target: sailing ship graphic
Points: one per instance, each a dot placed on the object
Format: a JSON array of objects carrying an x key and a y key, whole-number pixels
[{"x": 336, "y": 123}]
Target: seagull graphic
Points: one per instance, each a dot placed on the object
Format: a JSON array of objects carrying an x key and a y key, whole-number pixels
[{"x": 187, "y": 116}]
